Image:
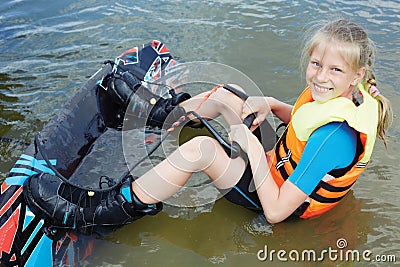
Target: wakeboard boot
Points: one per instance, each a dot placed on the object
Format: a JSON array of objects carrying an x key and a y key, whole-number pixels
[
  {"x": 67, "y": 206},
  {"x": 139, "y": 102}
]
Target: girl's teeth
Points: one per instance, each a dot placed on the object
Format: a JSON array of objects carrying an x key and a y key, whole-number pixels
[{"x": 321, "y": 89}]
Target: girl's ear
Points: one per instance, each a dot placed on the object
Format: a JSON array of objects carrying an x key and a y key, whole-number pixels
[{"x": 359, "y": 76}]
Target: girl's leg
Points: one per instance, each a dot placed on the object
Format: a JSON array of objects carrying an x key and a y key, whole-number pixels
[
  {"x": 222, "y": 102},
  {"x": 199, "y": 154}
]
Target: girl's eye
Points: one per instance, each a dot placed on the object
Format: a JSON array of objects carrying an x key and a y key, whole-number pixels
[
  {"x": 315, "y": 64},
  {"x": 337, "y": 70}
]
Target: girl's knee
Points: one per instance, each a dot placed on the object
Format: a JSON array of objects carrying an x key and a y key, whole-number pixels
[
  {"x": 225, "y": 99},
  {"x": 199, "y": 149},
  {"x": 199, "y": 143}
]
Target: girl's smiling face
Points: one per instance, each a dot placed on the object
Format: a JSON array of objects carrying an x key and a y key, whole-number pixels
[{"x": 329, "y": 74}]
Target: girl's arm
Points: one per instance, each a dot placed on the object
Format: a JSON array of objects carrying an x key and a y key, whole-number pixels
[
  {"x": 280, "y": 109},
  {"x": 331, "y": 146},
  {"x": 278, "y": 203},
  {"x": 263, "y": 105}
]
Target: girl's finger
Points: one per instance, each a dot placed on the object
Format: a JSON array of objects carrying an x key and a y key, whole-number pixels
[{"x": 260, "y": 118}]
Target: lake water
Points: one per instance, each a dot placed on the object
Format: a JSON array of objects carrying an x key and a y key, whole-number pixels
[{"x": 48, "y": 49}]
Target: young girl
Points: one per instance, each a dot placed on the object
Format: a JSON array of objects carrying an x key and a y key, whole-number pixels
[{"x": 327, "y": 144}]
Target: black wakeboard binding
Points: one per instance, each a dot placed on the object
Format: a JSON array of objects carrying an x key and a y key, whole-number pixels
[
  {"x": 137, "y": 101},
  {"x": 122, "y": 94},
  {"x": 66, "y": 206}
]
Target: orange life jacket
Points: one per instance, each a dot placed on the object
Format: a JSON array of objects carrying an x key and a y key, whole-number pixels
[{"x": 307, "y": 116}]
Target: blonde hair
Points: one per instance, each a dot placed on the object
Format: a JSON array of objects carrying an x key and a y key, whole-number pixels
[{"x": 359, "y": 51}]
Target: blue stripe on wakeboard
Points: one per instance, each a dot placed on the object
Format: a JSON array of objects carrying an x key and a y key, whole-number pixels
[
  {"x": 28, "y": 218},
  {"x": 23, "y": 171},
  {"x": 37, "y": 164},
  {"x": 16, "y": 180},
  {"x": 246, "y": 197},
  {"x": 42, "y": 254},
  {"x": 37, "y": 229},
  {"x": 30, "y": 158},
  {"x": 30, "y": 162}
]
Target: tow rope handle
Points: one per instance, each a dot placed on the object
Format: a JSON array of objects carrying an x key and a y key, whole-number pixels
[{"x": 232, "y": 149}]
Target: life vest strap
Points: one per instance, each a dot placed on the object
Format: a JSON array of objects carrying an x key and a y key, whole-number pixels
[
  {"x": 317, "y": 197},
  {"x": 332, "y": 188},
  {"x": 335, "y": 189},
  {"x": 281, "y": 160}
]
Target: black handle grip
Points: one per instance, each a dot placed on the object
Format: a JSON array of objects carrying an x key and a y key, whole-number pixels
[
  {"x": 233, "y": 150},
  {"x": 216, "y": 134},
  {"x": 248, "y": 121}
]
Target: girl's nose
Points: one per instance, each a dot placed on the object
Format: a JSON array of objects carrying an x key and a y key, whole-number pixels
[{"x": 322, "y": 74}]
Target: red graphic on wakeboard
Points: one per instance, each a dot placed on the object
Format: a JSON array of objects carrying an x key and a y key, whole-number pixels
[
  {"x": 160, "y": 47},
  {"x": 130, "y": 56}
]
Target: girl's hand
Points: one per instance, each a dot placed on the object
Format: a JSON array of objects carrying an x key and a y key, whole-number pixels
[
  {"x": 242, "y": 135},
  {"x": 257, "y": 104}
]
